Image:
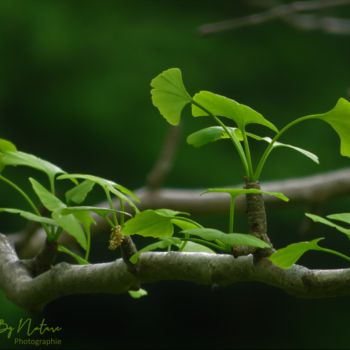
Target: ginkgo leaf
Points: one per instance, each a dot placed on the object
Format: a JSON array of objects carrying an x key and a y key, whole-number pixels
[
  {"x": 7, "y": 146},
  {"x": 162, "y": 244},
  {"x": 339, "y": 119},
  {"x": 72, "y": 226},
  {"x": 169, "y": 94},
  {"x": 277, "y": 144},
  {"x": 288, "y": 256},
  {"x": 320, "y": 219},
  {"x": 343, "y": 217},
  {"x": 30, "y": 216},
  {"x": 193, "y": 247},
  {"x": 149, "y": 224},
  {"x": 230, "y": 239},
  {"x": 223, "y": 106},
  {"x": 78, "y": 193},
  {"x": 137, "y": 294},
  {"x": 157, "y": 223},
  {"x": 238, "y": 191},
  {"x": 118, "y": 190},
  {"x": 16, "y": 158},
  {"x": 48, "y": 200},
  {"x": 212, "y": 134}
]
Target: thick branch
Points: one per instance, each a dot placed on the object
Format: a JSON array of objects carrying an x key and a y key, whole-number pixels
[
  {"x": 202, "y": 268},
  {"x": 313, "y": 189}
]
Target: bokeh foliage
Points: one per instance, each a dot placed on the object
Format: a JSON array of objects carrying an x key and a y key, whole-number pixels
[{"x": 74, "y": 88}]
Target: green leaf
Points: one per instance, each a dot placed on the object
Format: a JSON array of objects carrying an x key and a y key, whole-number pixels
[
  {"x": 212, "y": 134},
  {"x": 339, "y": 119},
  {"x": 185, "y": 224},
  {"x": 149, "y": 224},
  {"x": 78, "y": 258},
  {"x": 7, "y": 146},
  {"x": 169, "y": 95},
  {"x": 162, "y": 244},
  {"x": 48, "y": 200},
  {"x": 230, "y": 239},
  {"x": 324, "y": 221},
  {"x": 222, "y": 106},
  {"x": 343, "y": 217},
  {"x": 72, "y": 226},
  {"x": 29, "y": 216},
  {"x": 304, "y": 152},
  {"x": 78, "y": 193},
  {"x": 197, "y": 248},
  {"x": 288, "y": 256},
  {"x": 168, "y": 213},
  {"x": 85, "y": 219},
  {"x": 98, "y": 210},
  {"x": 29, "y": 160},
  {"x": 137, "y": 294},
  {"x": 111, "y": 186},
  {"x": 156, "y": 223},
  {"x": 238, "y": 191}
]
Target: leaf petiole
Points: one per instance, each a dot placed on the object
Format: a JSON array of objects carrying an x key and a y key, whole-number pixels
[
  {"x": 269, "y": 148},
  {"x": 235, "y": 142}
]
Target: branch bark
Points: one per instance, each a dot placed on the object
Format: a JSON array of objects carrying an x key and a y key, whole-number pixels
[
  {"x": 202, "y": 268},
  {"x": 314, "y": 189}
]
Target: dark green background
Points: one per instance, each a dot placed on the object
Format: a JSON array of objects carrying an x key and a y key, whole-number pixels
[{"x": 74, "y": 89}]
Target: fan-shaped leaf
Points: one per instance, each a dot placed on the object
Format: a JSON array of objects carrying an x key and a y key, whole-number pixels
[
  {"x": 169, "y": 94},
  {"x": 48, "y": 200},
  {"x": 111, "y": 186},
  {"x": 29, "y": 216},
  {"x": 343, "y": 217},
  {"x": 78, "y": 193},
  {"x": 288, "y": 256},
  {"x": 29, "y": 160},
  {"x": 7, "y": 146},
  {"x": 193, "y": 247},
  {"x": 230, "y": 239},
  {"x": 162, "y": 244},
  {"x": 339, "y": 119},
  {"x": 137, "y": 294},
  {"x": 324, "y": 221},
  {"x": 72, "y": 226},
  {"x": 212, "y": 134},
  {"x": 222, "y": 106},
  {"x": 304, "y": 152},
  {"x": 238, "y": 191},
  {"x": 149, "y": 224}
]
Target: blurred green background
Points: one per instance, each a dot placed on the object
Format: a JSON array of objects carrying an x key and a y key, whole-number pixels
[{"x": 74, "y": 89}]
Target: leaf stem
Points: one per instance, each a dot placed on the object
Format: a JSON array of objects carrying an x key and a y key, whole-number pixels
[
  {"x": 327, "y": 250},
  {"x": 52, "y": 185},
  {"x": 122, "y": 209},
  {"x": 232, "y": 213},
  {"x": 22, "y": 193},
  {"x": 248, "y": 155},
  {"x": 207, "y": 243},
  {"x": 111, "y": 206},
  {"x": 269, "y": 148},
  {"x": 235, "y": 142}
]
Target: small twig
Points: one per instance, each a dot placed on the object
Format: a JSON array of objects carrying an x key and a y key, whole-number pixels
[
  {"x": 165, "y": 160},
  {"x": 280, "y": 11}
]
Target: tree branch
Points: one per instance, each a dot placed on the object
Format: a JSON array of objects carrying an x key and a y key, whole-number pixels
[
  {"x": 165, "y": 159},
  {"x": 314, "y": 189},
  {"x": 282, "y": 11},
  {"x": 202, "y": 268}
]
